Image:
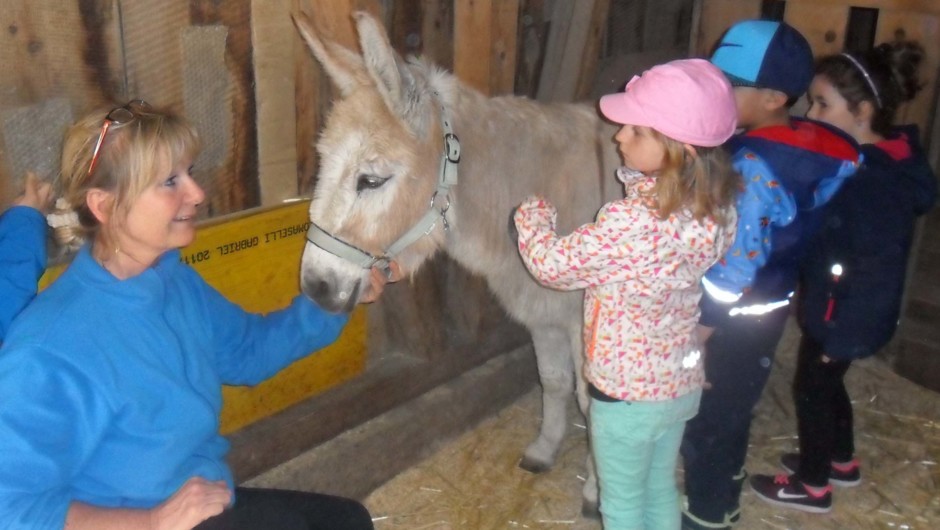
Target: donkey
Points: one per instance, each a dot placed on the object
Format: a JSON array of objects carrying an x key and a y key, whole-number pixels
[{"x": 390, "y": 153}]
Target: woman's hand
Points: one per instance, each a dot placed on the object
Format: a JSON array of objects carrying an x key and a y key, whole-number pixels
[
  {"x": 377, "y": 281},
  {"x": 38, "y": 194},
  {"x": 198, "y": 500}
]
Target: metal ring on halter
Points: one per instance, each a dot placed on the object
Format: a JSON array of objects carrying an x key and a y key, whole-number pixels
[
  {"x": 384, "y": 263},
  {"x": 446, "y": 204}
]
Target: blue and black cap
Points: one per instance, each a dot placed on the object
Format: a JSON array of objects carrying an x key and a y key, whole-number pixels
[{"x": 765, "y": 54}]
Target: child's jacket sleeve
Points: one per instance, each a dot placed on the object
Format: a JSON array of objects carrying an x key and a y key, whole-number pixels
[
  {"x": 621, "y": 244},
  {"x": 22, "y": 260},
  {"x": 761, "y": 204}
]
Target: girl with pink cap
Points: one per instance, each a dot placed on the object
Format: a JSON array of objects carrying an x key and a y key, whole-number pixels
[{"x": 641, "y": 263}]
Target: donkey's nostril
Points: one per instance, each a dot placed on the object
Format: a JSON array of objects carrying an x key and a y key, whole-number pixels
[{"x": 321, "y": 290}]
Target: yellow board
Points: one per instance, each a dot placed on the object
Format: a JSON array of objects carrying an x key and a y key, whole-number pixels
[{"x": 254, "y": 260}]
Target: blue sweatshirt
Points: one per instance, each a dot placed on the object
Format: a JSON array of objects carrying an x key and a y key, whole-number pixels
[
  {"x": 790, "y": 173},
  {"x": 867, "y": 231},
  {"x": 111, "y": 390},
  {"x": 22, "y": 260}
]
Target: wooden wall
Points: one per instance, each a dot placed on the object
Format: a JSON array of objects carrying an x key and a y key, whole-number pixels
[{"x": 194, "y": 55}]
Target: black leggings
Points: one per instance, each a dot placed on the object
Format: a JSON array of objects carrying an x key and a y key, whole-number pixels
[
  {"x": 823, "y": 413},
  {"x": 263, "y": 509}
]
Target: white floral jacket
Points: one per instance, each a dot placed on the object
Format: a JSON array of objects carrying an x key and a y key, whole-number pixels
[{"x": 642, "y": 275}]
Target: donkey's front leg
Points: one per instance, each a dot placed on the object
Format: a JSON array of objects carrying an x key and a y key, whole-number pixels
[{"x": 556, "y": 373}]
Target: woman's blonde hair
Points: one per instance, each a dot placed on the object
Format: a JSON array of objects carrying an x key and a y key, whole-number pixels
[
  {"x": 705, "y": 183},
  {"x": 131, "y": 157}
]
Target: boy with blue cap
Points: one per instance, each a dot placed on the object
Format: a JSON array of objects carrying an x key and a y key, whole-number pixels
[{"x": 791, "y": 168}]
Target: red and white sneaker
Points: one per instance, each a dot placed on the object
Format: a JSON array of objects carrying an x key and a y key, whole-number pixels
[
  {"x": 842, "y": 474},
  {"x": 789, "y": 492}
]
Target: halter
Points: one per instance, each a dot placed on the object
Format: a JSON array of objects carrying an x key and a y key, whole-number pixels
[{"x": 440, "y": 203}]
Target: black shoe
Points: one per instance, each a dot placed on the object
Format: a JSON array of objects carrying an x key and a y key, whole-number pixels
[
  {"x": 788, "y": 492},
  {"x": 844, "y": 475}
]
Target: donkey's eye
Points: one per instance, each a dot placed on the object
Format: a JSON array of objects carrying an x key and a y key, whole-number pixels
[{"x": 370, "y": 182}]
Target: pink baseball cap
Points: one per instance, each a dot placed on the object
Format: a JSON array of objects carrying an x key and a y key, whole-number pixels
[{"x": 690, "y": 101}]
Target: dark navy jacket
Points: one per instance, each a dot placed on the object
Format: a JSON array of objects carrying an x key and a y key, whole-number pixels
[
  {"x": 808, "y": 159},
  {"x": 868, "y": 229}
]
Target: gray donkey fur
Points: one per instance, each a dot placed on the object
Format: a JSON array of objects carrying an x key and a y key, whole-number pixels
[{"x": 381, "y": 148}]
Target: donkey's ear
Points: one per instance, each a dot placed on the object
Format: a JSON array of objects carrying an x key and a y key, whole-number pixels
[
  {"x": 344, "y": 67},
  {"x": 380, "y": 59}
]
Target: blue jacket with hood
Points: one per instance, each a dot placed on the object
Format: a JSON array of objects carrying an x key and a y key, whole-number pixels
[
  {"x": 790, "y": 172},
  {"x": 22, "y": 260},
  {"x": 867, "y": 232}
]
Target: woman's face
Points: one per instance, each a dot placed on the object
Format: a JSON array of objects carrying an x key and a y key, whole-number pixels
[
  {"x": 828, "y": 106},
  {"x": 640, "y": 150},
  {"x": 163, "y": 217}
]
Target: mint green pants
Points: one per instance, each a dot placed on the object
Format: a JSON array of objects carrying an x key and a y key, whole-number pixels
[{"x": 636, "y": 448}]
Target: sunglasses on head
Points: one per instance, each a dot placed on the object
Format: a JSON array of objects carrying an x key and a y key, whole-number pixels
[{"x": 116, "y": 117}]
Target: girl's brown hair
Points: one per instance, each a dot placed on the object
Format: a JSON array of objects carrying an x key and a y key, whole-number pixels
[
  {"x": 891, "y": 68},
  {"x": 131, "y": 157},
  {"x": 704, "y": 183}
]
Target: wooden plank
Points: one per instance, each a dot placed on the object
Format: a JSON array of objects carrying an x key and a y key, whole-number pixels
[
  {"x": 567, "y": 42},
  {"x": 592, "y": 50},
  {"x": 503, "y": 46},
  {"x": 823, "y": 25},
  {"x": 50, "y": 50},
  {"x": 925, "y": 29},
  {"x": 559, "y": 22},
  {"x": 717, "y": 16},
  {"x": 437, "y": 32},
  {"x": 273, "y": 39},
  {"x": 472, "y": 42},
  {"x": 235, "y": 184},
  {"x": 392, "y": 381},
  {"x": 921, "y": 6},
  {"x": 152, "y": 50},
  {"x": 424, "y": 28},
  {"x": 412, "y": 431},
  {"x": 531, "y": 46},
  {"x": 485, "y": 44}
]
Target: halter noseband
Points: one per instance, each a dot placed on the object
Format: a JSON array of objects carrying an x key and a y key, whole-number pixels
[{"x": 440, "y": 203}]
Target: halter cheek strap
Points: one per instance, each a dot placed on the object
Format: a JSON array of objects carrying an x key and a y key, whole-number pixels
[{"x": 439, "y": 204}]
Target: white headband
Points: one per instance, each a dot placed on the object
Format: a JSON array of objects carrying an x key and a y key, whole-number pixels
[{"x": 868, "y": 79}]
